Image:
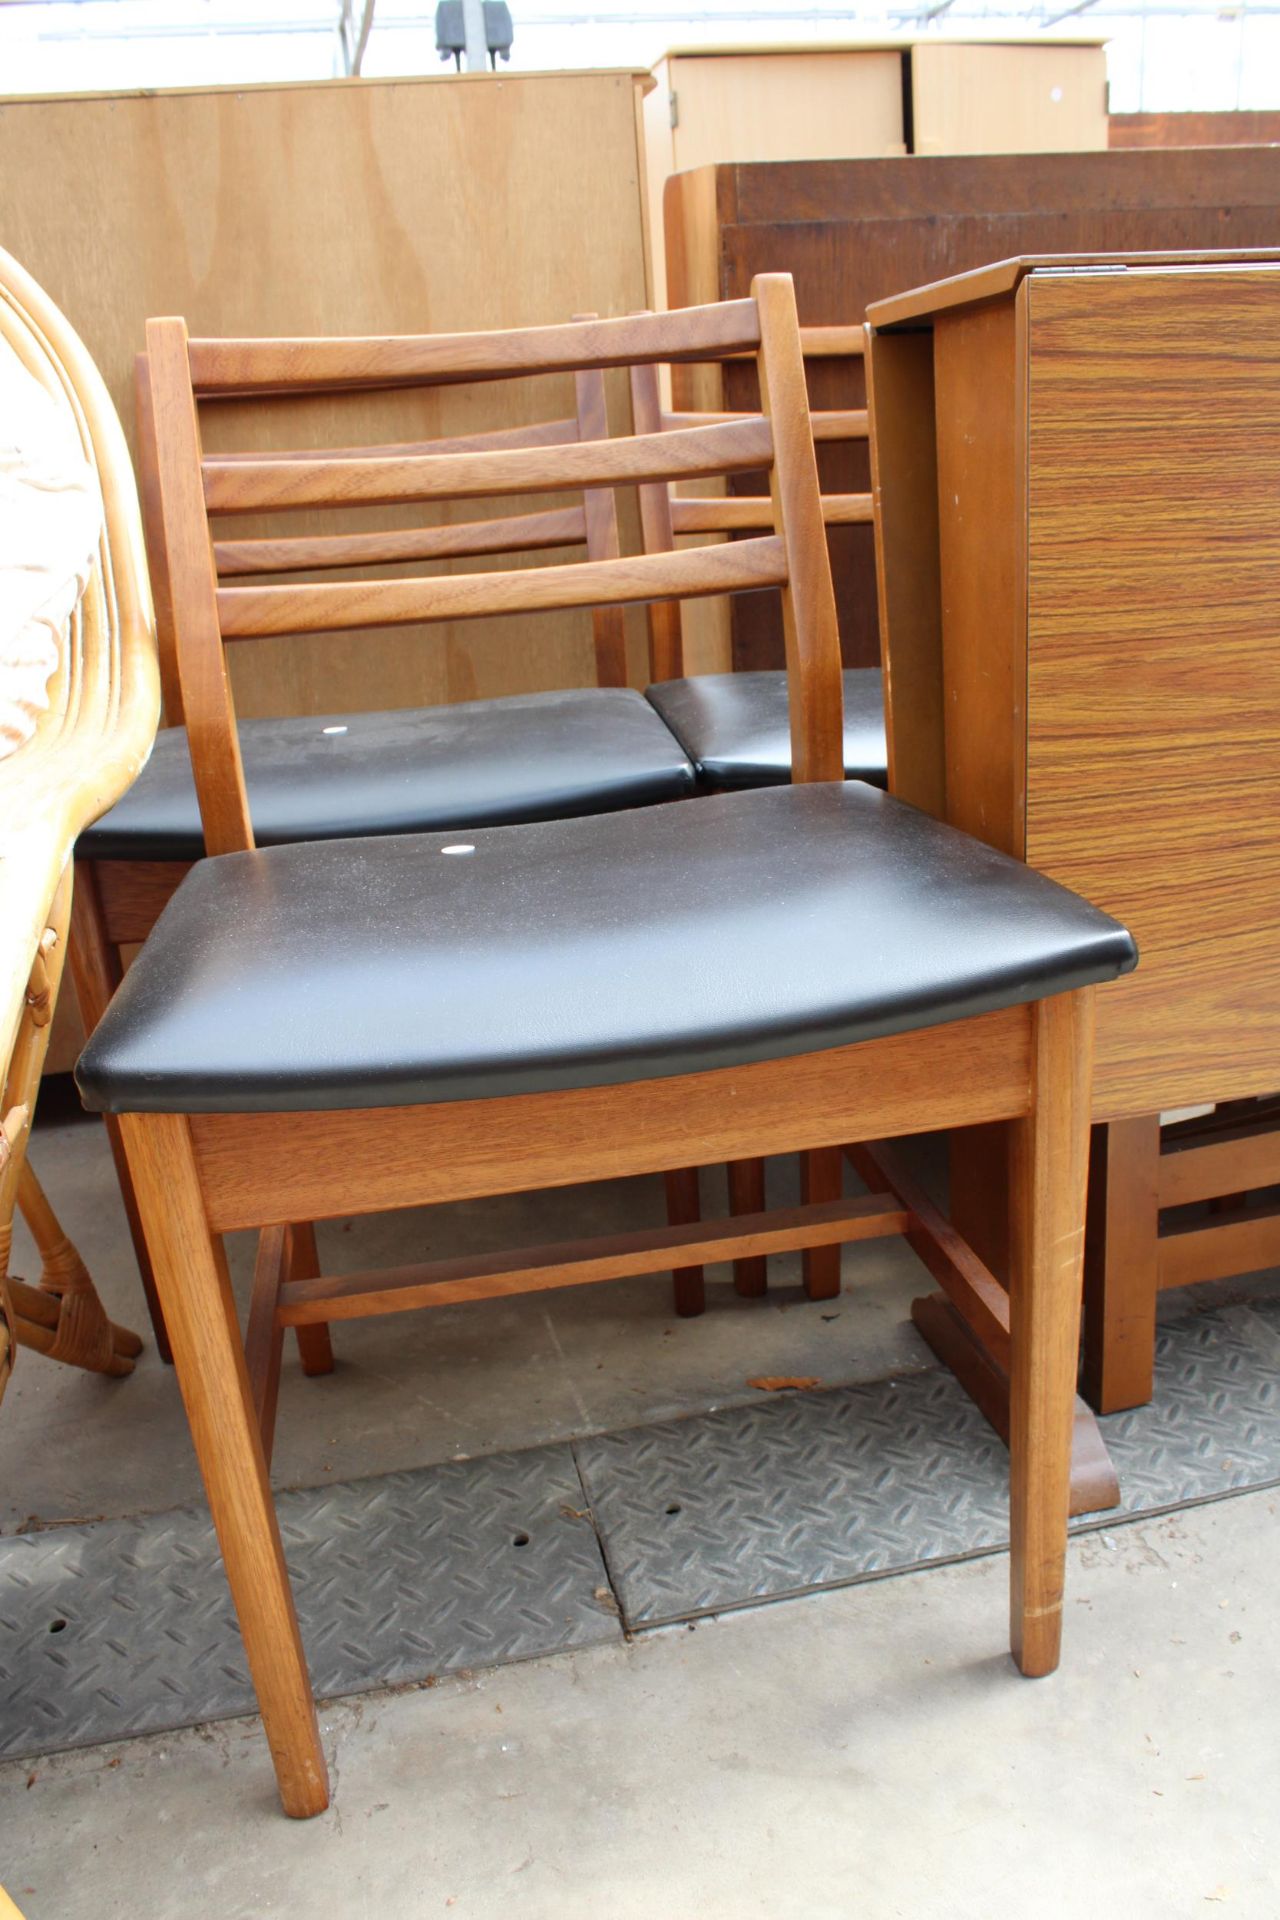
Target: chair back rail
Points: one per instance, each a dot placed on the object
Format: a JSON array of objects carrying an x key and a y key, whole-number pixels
[
  {"x": 234, "y": 368},
  {"x": 593, "y": 524},
  {"x": 791, "y": 555}
]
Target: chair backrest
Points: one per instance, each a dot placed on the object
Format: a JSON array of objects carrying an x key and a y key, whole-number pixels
[
  {"x": 194, "y": 487},
  {"x": 665, "y": 514},
  {"x": 593, "y": 524}
]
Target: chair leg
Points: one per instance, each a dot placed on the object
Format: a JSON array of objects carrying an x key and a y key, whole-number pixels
[
  {"x": 746, "y": 1195},
  {"x": 96, "y": 973},
  {"x": 1121, "y": 1253},
  {"x": 213, "y": 1377},
  {"x": 684, "y": 1209},
  {"x": 315, "y": 1349},
  {"x": 822, "y": 1178},
  {"x": 1048, "y": 1176}
]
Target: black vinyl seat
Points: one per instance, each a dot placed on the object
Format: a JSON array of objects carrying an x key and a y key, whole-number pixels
[
  {"x": 541, "y": 756},
  {"x": 578, "y": 953},
  {"x": 735, "y": 728}
]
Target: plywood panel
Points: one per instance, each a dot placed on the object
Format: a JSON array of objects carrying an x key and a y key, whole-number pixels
[
  {"x": 385, "y": 206},
  {"x": 1046, "y": 98},
  {"x": 1154, "y": 659}
]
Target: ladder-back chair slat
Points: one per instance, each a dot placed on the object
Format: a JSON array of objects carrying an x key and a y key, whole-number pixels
[
  {"x": 275, "y": 485},
  {"x": 329, "y": 606},
  {"x": 557, "y": 527},
  {"x": 693, "y": 333}
]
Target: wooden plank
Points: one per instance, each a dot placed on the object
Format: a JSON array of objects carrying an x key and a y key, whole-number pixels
[
  {"x": 130, "y": 205},
  {"x": 1245, "y": 1243},
  {"x": 904, "y": 480},
  {"x": 1120, "y": 1264},
  {"x": 258, "y": 1168},
  {"x": 1218, "y": 1167},
  {"x": 579, "y": 1263},
  {"x": 1240, "y": 127},
  {"x": 979, "y": 375}
]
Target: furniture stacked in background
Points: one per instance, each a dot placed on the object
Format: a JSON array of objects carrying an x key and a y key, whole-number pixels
[
  {"x": 87, "y": 747},
  {"x": 1077, "y": 465},
  {"x": 855, "y": 98},
  {"x": 368, "y": 1024},
  {"x": 853, "y": 232}
]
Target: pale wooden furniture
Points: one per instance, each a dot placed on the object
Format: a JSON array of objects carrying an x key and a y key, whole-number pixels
[
  {"x": 87, "y": 748},
  {"x": 1082, "y": 669},
  {"x": 522, "y": 1008},
  {"x": 394, "y": 204},
  {"x": 134, "y": 859},
  {"x": 846, "y": 99}
]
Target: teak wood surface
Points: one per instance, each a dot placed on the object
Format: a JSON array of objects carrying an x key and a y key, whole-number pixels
[
  {"x": 1093, "y": 685},
  {"x": 198, "y": 1176}
]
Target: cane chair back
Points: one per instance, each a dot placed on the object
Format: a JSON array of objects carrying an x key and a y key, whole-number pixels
[{"x": 87, "y": 748}]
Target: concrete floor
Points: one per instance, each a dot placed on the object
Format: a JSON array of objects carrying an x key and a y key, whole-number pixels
[
  {"x": 868, "y": 1752},
  {"x": 864, "y": 1753}
]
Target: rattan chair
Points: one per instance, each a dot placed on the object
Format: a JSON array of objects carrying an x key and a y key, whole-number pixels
[{"x": 87, "y": 748}]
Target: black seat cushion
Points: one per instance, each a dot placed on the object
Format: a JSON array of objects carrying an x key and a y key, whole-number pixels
[
  {"x": 576, "y": 953},
  {"x": 734, "y": 727},
  {"x": 541, "y": 756}
]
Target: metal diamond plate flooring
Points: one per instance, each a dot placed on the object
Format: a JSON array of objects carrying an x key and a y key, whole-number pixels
[
  {"x": 399, "y": 1578},
  {"x": 124, "y": 1626},
  {"x": 806, "y": 1490}
]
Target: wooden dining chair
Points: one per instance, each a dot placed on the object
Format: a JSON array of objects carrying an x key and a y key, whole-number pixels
[
  {"x": 355, "y": 1026},
  {"x": 477, "y": 763}
]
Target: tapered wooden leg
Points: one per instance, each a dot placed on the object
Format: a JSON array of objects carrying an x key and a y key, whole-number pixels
[
  {"x": 200, "y": 1313},
  {"x": 746, "y": 1195},
  {"x": 315, "y": 1349},
  {"x": 1121, "y": 1264},
  {"x": 96, "y": 973},
  {"x": 822, "y": 1178},
  {"x": 684, "y": 1209},
  {"x": 1048, "y": 1175}
]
